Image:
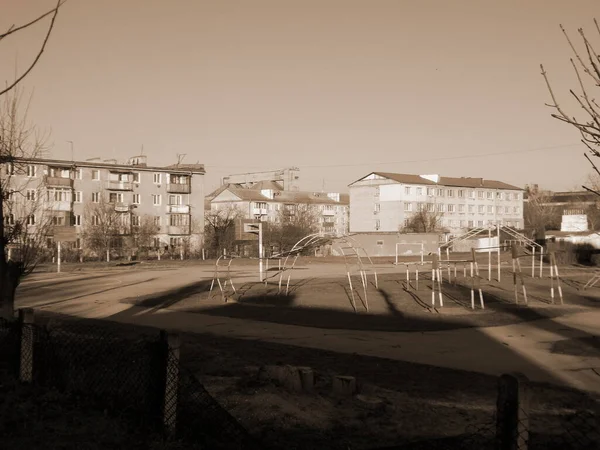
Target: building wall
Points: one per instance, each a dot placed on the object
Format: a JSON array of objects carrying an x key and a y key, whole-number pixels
[
  {"x": 84, "y": 188},
  {"x": 385, "y": 206},
  {"x": 384, "y": 244}
]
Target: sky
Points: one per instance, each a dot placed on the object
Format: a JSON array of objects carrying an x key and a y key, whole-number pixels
[{"x": 338, "y": 88}]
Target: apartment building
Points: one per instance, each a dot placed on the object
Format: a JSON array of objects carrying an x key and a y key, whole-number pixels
[
  {"x": 173, "y": 196},
  {"x": 385, "y": 202},
  {"x": 269, "y": 202}
]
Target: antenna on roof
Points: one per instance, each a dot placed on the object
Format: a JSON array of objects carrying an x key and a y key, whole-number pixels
[
  {"x": 180, "y": 157},
  {"x": 142, "y": 151}
]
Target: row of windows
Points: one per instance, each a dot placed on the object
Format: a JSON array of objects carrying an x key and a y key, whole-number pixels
[
  {"x": 66, "y": 195},
  {"x": 461, "y": 223},
  {"x": 32, "y": 171},
  {"x": 175, "y": 220},
  {"x": 277, "y": 206},
  {"x": 460, "y": 193},
  {"x": 451, "y": 208}
]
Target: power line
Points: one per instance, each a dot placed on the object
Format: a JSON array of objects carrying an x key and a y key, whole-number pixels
[{"x": 411, "y": 161}]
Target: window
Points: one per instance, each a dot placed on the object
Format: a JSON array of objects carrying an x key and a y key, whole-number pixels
[
  {"x": 156, "y": 199},
  {"x": 461, "y": 193},
  {"x": 450, "y": 208},
  {"x": 58, "y": 221},
  {"x": 136, "y": 177},
  {"x": 9, "y": 219},
  {"x": 95, "y": 197},
  {"x": 58, "y": 195},
  {"x": 463, "y": 223},
  {"x": 115, "y": 197},
  {"x": 376, "y": 191},
  {"x": 377, "y": 207},
  {"x": 78, "y": 197},
  {"x": 95, "y": 220},
  {"x": 490, "y": 209},
  {"x": 407, "y": 190},
  {"x": 95, "y": 174},
  {"x": 31, "y": 195},
  {"x": 430, "y": 192},
  {"x": 471, "y": 194},
  {"x": 156, "y": 178},
  {"x": 136, "y": 199},
  {"x": 490, "y": 195},
  {"x": 440, "y": 207},
  {"x": 480, "y": 194},
  {"x": 178, "y": 200},
  {"x": 499, "y": 195},
  {"x": 175, "y": 241},
  {"x": 77, "y": 220},
  {"x": 377, "y": 224},
  {"x": 480, "y": 223},
  {"x": 470, "y": 224},
  {"x": 516, "y": 209},
  {"x": 506, "y": 211},
  {"x": 31, "y": 170},
  {"x": 157, "y": 221},
  {"x": 471, "y": 209},
  {"x": 408, "y": 206},
  {"x": 440, "y": 192},
  {"x": 517, "y": 196},
  {"x": 421, "y": 206},
  {"x": 450, "y": 192},
  {"x": 419, "y": 191},
  {"x": 430, "y": 207},
  {"x": 31, "y": 219},
  {"x": 178, "y": 220},
  {"x": 156, "y": 242},
  {"x": 10, "y": 169},
  {"x": 135, "y": 221},
  {"x": 480, "y": 209},
  {"x": 78, "y": 174},
  {"x": 461, "y": 208}
]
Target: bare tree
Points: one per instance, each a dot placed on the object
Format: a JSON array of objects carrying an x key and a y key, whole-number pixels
[
  {"x": 424, "y": 221},
  {"x": 589, "y": 126},
  {"x": 219, "y": 230},
  {"x": 23, "y": 212},
  {"x": 143, "y": 231},
  {"x": 293, "y": 222},
  {"x": 104, "y": 227},
  {"x": 539, "y": 213},
  {"x": 13, "y": 29}
]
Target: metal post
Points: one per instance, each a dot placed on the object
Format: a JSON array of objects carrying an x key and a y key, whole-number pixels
[
  {"x": 489, "y": 254},
  {"x": 58, "y": 257},
  {"x": 498, "y": 253},
  {"x": 541, "y": 261},
  {"x": 532, "y": 261},
  {"x": 260, "y": 252}
]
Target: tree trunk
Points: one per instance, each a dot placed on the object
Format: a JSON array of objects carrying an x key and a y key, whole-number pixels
[{"x": 9, "y": 282}]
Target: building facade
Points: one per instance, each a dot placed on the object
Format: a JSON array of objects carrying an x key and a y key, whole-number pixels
[
  {"x": 385, "y": 202},
  {"x": 65, "y": 192},
  {"x": 268, "y": 202}
]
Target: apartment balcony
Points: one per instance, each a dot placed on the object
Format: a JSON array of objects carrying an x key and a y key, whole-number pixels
[
  {"x": 178, "y": 230},
  {"x": 179, "y": 188},
  {"x": 59, "y": 205},
  {"x": 122, "y": 207},
  {"x": 113, "y": 185},
  {"x": 331, "y": 212},
  {"x": 178, "y": 209},
  {"x": 58, "y": 181},
  {"x": 259, "y": 211}
]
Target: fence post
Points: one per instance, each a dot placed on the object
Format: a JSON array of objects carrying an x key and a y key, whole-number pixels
[
  {"x": 173, "y": 344},
  {"x": 26, "y": 320},
  {"x": 512, "y": 416}
]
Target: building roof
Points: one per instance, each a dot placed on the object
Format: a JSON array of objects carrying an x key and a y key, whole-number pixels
[
  {"x": 281, "y": 196},
  {"x": 182, "y": 169},
  {"x": 549, "y": 197},
  {"x": 443, "y": 181}
]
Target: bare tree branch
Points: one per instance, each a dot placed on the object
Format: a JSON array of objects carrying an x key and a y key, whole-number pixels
[
  {"x": 42, "y": 48},
  {"x": 14, "y": 29}
]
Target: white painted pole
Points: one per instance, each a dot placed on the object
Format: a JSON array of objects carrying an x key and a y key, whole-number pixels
[
  {"x": 541, "y": 261},
  {"x": 260, "y": 252},
  {"x": 489, "y": 254},
  {"x": 58, "y": 257},
  {"x": 533, "y": 262},
  {"x": 498, "y": 253}
]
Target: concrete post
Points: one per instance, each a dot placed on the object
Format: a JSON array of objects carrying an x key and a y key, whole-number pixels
[
  {"x": 171, "y": 382},
  {"x": 512, "y": 418}
]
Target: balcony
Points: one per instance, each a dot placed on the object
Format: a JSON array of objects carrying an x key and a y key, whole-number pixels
[
  {"x": 58, "y": 205},
  {"x": 178, "y": 188},
  {"x": 121, "y": 207},
  {"x": 114, "y": 185},
  {"x": 259, "y": 211},
  {"x": 331, "y": 212},
  {"x": 178, "y": 209},
  {"x": 182, "y": 229},
  {"x": 58, "y": 181}
]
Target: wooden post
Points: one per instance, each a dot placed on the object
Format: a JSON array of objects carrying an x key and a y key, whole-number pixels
[
  {"x": 512, "y": 415},
  {"x": 26, "y": 319},
  {"x": 173, "y": 343}
]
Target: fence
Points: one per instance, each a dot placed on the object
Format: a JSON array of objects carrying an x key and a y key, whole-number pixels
[
  {"x": 139, "y": 380},
  {"x": 142, "y": 382}
]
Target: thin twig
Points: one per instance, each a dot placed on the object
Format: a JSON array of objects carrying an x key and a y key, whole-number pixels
[
  {"x": 592, "y": 163},
  {"x": 591, "y": 190},
  {"x": 39, "y": 55},
  {"x": 14, "y": 29}
]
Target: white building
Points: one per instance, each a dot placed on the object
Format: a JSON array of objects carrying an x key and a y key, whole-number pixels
[{"x": 384, "y": 202}]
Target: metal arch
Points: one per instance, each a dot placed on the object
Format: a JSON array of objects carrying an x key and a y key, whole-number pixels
[
  {"x": 311, "y": 241},
  {"x": 217, "y": 276}
]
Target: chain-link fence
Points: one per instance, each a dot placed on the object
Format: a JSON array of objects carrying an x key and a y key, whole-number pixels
[{"x": 140, "y": 380}]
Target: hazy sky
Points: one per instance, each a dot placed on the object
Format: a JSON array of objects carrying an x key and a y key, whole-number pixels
[{"x": 338, "y": 88}]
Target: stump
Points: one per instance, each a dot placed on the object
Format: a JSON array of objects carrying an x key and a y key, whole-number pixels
[
  {"x": 344, "y": 386},
  {"x": 307, "y": 378}
]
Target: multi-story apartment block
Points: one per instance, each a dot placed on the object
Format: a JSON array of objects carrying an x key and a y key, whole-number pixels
[
  {"x": 384, "y": 202},
  {"x": 172, "y": 196},
  {"x": 268, "y": 202}
]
